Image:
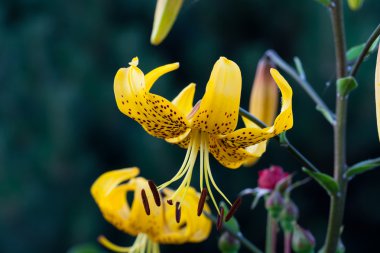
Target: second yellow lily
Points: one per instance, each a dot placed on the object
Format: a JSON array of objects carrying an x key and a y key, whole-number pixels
[
  {"x": 207, "y": 127},
  {"x": 111, "y": 192}
]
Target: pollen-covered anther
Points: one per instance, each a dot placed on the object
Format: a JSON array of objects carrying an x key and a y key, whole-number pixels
[
  {"x": 219, "y": 221},
  {"x": 233, "y": 209},
  {"x": 156, "y": 194},
  {"x": 177, "y": 212},
  {"x": 202, "y": 201},
  {"x": 145, "y": 202}
]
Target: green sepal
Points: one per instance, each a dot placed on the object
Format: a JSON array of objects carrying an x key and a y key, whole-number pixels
[
  {"x": 345, "y": 85},
  {"x": 326, "y": 181},
  {"x": 362, "y": 167},
  {"x": 232, "y": 224}
]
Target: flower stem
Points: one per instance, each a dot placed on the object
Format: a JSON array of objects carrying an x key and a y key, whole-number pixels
[
  {"x": 368, "y": 45},
  {"x": 337, "y": 201},
  {"x": 271, "y": 237},
  {"x": 305, "y": 85},
  {"x": 238, "y": 235},
  {"x": 288, "y": 242},
  {"x": 284, "y": 142}
]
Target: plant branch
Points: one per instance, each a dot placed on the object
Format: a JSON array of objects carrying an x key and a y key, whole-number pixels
[
  {"x": 337, "y": 201},
  {"x": 288, "y": 242},
  {"x": 305, "y": 85},
  {"x": 238, "y": 235},
  {"x": 368, "y": 45},
  {"x": 284, "y": 142},
  {"x": 271, "y": 236}
]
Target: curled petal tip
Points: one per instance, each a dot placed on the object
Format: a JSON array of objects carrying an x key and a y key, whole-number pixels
[{"x": 134, "y": 62}]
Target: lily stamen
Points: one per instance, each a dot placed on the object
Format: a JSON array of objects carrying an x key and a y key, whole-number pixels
[
  {"x": 156, "y": 194},
  {"x": 177, "y": 212},
  {"x": 219, "y": 221},
  {"x": 233, "y": 209},
  {"x": 145, "y": 202},
  {"x": 198, "y": 143},
  {"x": 202, "y": 201}
]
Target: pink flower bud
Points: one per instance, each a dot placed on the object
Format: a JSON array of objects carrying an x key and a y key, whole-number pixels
[{"x": 268, "y": 178}]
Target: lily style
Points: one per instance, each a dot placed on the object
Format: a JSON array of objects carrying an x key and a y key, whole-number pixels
[
  {"x": 111, "y": 192},
  {"x": 207, "y": 127}
]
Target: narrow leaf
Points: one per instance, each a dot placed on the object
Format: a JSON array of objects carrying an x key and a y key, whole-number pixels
[
  {"x": 354, "y": 52},
  {"x": 326, "y": 181},
  {"x": 362, "y": 167}
]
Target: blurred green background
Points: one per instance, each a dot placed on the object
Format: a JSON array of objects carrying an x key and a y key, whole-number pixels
[{"x": 60, "y": 127}]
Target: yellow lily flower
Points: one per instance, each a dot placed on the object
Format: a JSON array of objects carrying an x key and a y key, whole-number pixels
[
  {"x": 377, "y": 90},
  {"x": 207, "y": 127},
  {"x": 263, "y": 105},
  {"x": 110, "y": 192}
]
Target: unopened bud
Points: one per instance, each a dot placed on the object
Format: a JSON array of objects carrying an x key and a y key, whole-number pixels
[
  {"x": 302, "y": 241},
  {"x": 274, "y": 204},
  {"x": 228, "y": 243},
  {"x": 164, "y": 18},
  {"x": 289, "y": 215},
  {"x": 355, "y": 4},
  {"x": 263, "y": 103},
  {"x": 377, "y": 91}
]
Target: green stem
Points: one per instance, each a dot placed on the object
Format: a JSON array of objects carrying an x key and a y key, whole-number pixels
[
  {"x": 271, "y": 237},
  {"x": 368, "y": 45},
  {"x": 238, "y": 235},
  {"x": 337, "y": 201},
  {"x": 284, "y": 141},
  {"x": 305, "y": 85},
  {"x": 288, "y": 242}
]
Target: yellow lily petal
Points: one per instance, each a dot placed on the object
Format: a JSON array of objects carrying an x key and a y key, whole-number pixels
[
  {"x": 164, "y": 17},
  {"x": 377, "y": 90},
  {"x": 184, "y": 100},
  {"x": 157, "y": 115},
  {"x": 111, "y": 201},
  {"x": 156, "y": 73},
  {"x": 230, "y": 157},
  {"x": 183, "y": 140},
  {"x": 249, "y": 136},
  {"x": 110, "y": 193},
  {"x": 219, "y": 108},
  {"x": 192, "y": 228}
]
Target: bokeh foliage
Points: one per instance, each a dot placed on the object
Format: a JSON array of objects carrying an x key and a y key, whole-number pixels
[{"x": 60, "y": 127}]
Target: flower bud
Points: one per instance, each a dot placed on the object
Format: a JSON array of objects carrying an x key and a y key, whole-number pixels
[
  {"x": 164, "y": 18},
  {"x": 274, "y": 204},
  {"x": 377, "y": 91},
  {"x": 289, "y": 215},
  {"x": 302, "y": 241},
  {"x": 268, "y": 178},
  {"x": 228, "y": 243},
  {"x": 263, "y": 103},
  {"x": 355, "y": 4}
]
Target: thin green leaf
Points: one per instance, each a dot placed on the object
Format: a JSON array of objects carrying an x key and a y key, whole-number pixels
[
  {"x": 362, "y": 167},
  {"x": 326, "y": 181},
  {"x": 354, "y": 52}
]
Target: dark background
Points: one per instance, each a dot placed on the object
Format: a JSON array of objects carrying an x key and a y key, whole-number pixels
[{"x": 60, "y": 127}]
